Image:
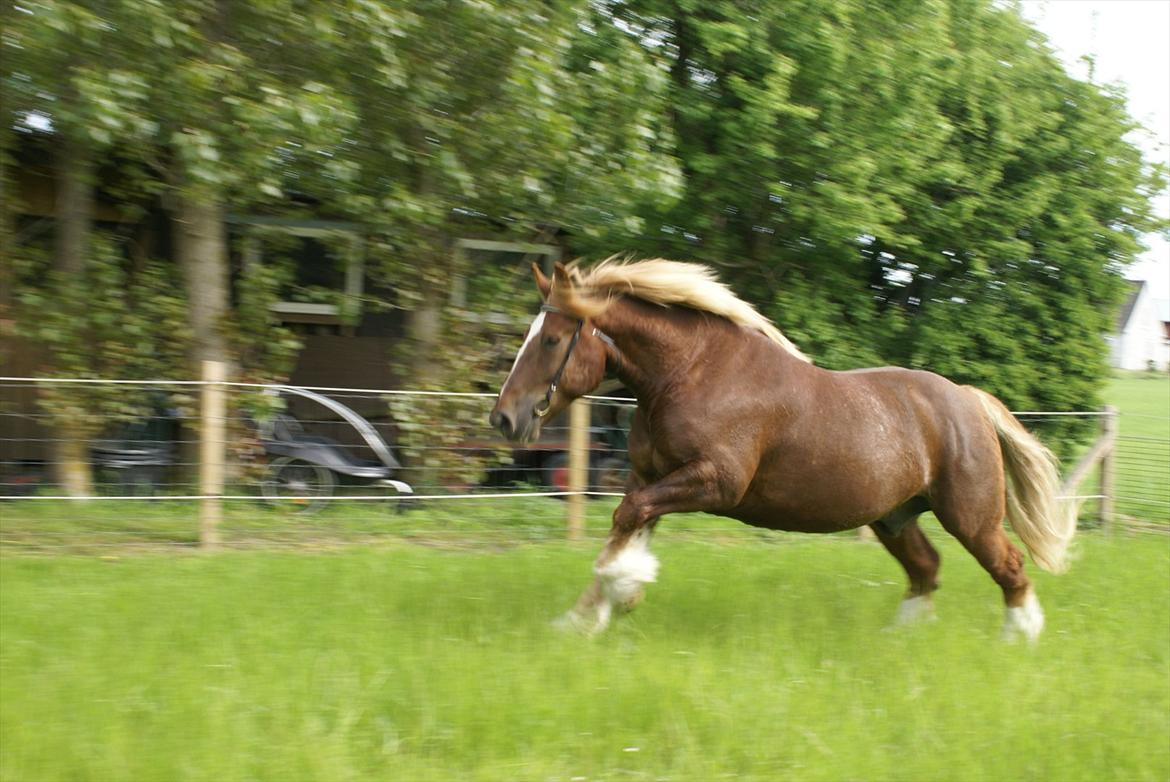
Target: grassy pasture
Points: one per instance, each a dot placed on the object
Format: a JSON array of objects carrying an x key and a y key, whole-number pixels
[
  {"x": 1142, "y": 481},
  {"x": 749, "y": 660},
  {"x": 426, "y": 654}
]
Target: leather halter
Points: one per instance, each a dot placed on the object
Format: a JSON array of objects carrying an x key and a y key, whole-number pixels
[{"x": 541, "y": 410}]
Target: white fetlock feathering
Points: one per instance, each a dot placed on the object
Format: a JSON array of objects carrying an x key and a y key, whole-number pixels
[
  {"x": 622, "y": 576},
  {"x": 1026, "y": 620},
  {"x": 912, "y": 610}
]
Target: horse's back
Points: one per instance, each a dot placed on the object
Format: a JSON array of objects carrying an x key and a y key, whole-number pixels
[
  {"x": 854, "y": 445},
  {"x": 943, "y": 419}
]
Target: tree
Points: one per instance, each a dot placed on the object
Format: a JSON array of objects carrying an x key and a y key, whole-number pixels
[
  {"x": 919, "y": 183},
  {"x": 501, "y": 113},
  {"x": 54, "y": 69},
  {"x": 915, "y": 182},
  {"x": 172, "y": 93}
]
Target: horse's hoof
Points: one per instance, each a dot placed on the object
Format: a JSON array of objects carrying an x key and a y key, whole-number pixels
[
  {"x": 568, "y": 622},
  {"x": 572, "y": 622},
  {"x": 631, "y": 602},
  {"x": 1024, "y": 621},
  {"x": 914, "y": 610}
]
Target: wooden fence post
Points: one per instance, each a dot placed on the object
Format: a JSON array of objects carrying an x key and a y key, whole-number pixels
[
  {"x": 1100, "y": 452},
  {"x": 579, "y": 415},
  {"x": 1109, "y": 433},
  {"x": 212, "y": 448}
]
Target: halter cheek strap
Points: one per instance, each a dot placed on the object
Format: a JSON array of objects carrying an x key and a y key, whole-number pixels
[{"x": 542, "y": 409}]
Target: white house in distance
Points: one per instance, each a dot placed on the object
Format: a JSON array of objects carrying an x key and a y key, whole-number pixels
[{"x": 1142, "y": 338}]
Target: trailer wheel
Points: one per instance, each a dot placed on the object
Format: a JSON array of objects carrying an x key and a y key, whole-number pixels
[{"x": 297, "y": 485}]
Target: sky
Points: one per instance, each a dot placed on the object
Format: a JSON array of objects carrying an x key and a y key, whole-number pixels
[{"x": 1129, "y": 41}]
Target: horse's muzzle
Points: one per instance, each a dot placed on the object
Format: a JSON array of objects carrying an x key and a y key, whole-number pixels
[{"x": 521, "y": 431}]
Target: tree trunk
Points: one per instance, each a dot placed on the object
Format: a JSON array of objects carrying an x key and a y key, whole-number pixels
[
  {"x": 7, "y": 270},
  {"x": 74, "y": 207},
  {"x": 71, "y": 460},
  {"x": 424, "y": 327},
  {"x": 73, "y": 212},
  {"x": 201, "y": 248}
]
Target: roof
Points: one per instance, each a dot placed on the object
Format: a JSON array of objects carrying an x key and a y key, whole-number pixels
[{"x": 1135, "y": 290}]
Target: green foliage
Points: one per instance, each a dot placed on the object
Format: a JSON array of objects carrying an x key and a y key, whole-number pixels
[
  {"x": 433, "y": 430},
  {"x": 910, "y": 183},
  {"x": 497, "y": 111},
  {"x": 918, "y": 184},
  {"x": 106, "y": 322},
  {"x": 265, "y": 350}
]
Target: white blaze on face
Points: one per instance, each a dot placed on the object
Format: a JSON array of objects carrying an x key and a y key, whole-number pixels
[{"x": 533, "y": 330}]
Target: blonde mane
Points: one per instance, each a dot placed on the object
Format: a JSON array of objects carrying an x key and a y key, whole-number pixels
[{"x": 666, "y": 283}]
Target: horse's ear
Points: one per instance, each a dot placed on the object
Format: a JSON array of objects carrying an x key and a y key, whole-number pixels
[
  {"x": 561, "y": 275},
  {"x": 542, "y": 282}
]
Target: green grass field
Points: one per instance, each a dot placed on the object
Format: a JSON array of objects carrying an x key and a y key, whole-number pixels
[
  {"x": 405, "y": 662},
  {"x": 1144, "y": 394},
  {"x": 361, "y": 644}
]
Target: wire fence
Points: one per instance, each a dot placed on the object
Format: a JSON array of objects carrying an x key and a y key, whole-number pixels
[
  {"x": 1142, "y": 464},
  {"x": 440, "y": 445},
  {"x": 303, "y": 466},
  {"x": 324, "y": 465}
]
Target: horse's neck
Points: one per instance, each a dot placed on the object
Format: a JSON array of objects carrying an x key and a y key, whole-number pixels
[{"x": 652, "y": 344}]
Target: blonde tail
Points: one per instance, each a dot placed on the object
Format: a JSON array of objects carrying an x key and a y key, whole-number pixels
[{"x": 1045, "y": 523}]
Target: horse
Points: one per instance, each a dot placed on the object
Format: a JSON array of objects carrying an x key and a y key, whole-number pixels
[{"x": 733, "y": 420}]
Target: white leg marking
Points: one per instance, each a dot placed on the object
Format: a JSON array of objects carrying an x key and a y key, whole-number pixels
[
  {"x": 1026, "y": 620},
  {"x": 622, "y": 576},
  {"x": 619, "y": 585},
  {"x": 915, "y": 609}
]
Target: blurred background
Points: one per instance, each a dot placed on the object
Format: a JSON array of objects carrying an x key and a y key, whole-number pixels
[
  {"x": 335, "y": 207},
  {"x": 347, "y": 197}
]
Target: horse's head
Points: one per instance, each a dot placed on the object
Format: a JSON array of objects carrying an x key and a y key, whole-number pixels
[{"x": 562, "y": 358}]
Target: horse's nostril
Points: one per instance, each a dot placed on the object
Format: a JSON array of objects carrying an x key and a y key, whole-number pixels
[{"x": 503, "y": 422}]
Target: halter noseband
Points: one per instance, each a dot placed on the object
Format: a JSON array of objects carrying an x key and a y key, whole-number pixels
[{"x": 542, "y": 409}]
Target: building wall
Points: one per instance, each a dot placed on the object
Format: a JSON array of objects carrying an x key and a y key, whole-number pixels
[{"x": 1143, "y": 339}]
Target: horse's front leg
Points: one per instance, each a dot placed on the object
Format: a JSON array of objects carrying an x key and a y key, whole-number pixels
[
  {"x": 623, "y": 567},
  {"x": 625, "y": 564}
]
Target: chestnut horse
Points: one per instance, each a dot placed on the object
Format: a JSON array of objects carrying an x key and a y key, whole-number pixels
[{"x": 733, "y": 420}]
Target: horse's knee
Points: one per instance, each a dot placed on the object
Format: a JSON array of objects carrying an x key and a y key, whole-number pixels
[{"x": 631, "y": 515}]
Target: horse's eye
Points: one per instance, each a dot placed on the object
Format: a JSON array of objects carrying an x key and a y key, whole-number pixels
[{"x": 551, "y": 341}]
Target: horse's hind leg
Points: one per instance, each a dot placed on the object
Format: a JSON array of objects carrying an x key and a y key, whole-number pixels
[
  {"x": 988, "y": 543},
  {"x": 905, "y": 540}
]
